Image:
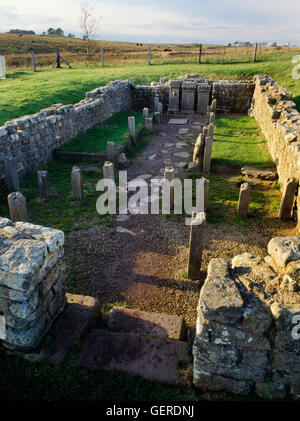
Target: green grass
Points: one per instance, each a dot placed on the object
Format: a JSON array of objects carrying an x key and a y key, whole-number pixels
[
  {"x": 238, "y": 141},
  {"x": 25, "y": 92},
  {"x": 115, "y": 129}
]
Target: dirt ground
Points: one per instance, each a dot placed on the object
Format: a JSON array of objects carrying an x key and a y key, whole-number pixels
[{"x": 141, "y": 260}]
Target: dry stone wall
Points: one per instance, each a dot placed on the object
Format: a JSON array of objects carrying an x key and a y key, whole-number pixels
[
  {"x": 30, "y": 140},
  {"x": 233, "y": 96},
  {"x": 32, "y": 275},
  {"x": 279, "y": 120},
  {"x": 247, "y": 339}
]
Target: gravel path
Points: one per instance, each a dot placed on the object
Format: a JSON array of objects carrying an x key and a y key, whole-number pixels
[{"x": 141, "y": 259}]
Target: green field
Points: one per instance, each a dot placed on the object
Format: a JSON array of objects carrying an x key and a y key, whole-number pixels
[
  {"x": 114, "y": 129},
  {"x": 25, "y": 92}
]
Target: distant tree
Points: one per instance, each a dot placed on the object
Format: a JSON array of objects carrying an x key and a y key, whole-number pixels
[
  {"x": 59, "y": 32},
  {"x": 44, "y": 33},
  {"x": 21, "y": 31},
  {"x": 71, "y": 35},
  {"x": 50, "y": 31},
  {"x": 88, "y": 23},
  {"x": 229, "y": 45}
]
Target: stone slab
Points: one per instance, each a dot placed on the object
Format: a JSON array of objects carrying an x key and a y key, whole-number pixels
[
  {"x": 146, "y": 324},
  {"x": 152, "y": 359},
  {"x": 178, "y": 121},
  {"x": 80, "y": 315}
]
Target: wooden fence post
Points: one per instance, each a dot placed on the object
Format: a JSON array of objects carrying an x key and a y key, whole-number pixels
[
  {"x": 200, "y": 53},
  {"x": 33, "y": 61},
  {"x": 255, "y": 52},
  {"x": 149, "y": 56}
]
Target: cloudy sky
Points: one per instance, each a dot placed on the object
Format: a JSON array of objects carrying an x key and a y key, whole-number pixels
[{"x": 206, "y": 21}]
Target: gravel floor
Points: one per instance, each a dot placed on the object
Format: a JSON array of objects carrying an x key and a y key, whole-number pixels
[{"x": 141, "y": 260}]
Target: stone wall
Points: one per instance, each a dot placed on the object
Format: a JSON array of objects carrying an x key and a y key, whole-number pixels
[
  {"x": 32, "y": 290},
  {"x": 233, "y": 96},
  {"x": 247, "y": 339},
  {"x": 32, "y": 139},
  {"x": 279, "y": 120}
]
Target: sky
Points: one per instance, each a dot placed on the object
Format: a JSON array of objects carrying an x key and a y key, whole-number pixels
[{"x": 162, "y": 21}]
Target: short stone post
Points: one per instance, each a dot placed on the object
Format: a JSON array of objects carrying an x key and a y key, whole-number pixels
[
  {"x": 207, "y": 155},
  {"x": 110, "y": 146},
  {"x": 149, "y": 123},
  {"x": 11, "y": 174},
  {"x": 287, "y": 199},
  {"x": 131, "y": 128},
  {"x": 243, "y": 205},
  {"x": 157, "y": 117},
  {"x": 188, "y": 98},
  {"x": 145, "y": 113},
  {"x": 77, "y": 183},
  {"x": 169, "y": 175},
  {"x": 205, "y": 130},
  {"x": 17, "y": 207},
  {"x": 108, "y": 171},
  {"x": 156, "y": 102},
  {"x": 199, "y": 151},
  {"x": 214, "y": 106},
  {"x": 44, "y": 184},
  {"x": 212, "y": 118},
  {"x": 160, "y": 110},
  {"x": 211, "y": 130},
  {"x": 196, "y": 245}
]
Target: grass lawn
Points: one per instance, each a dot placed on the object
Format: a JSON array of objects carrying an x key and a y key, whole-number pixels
[
  {"x": 25, "y": 92},
  {"x": 115, "y": 129},
  {"x": 238, "y": 141}
]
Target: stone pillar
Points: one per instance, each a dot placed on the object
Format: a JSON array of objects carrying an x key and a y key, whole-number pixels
[
  {"x": 174, "y": 96},
  {"x": 244, "y": 199},
  {"x": 188, "y": 98},
  {"x": 207, "y": 155},
  {"x": 214, "y": 106},
  {"x": 170, "y": 175},
  {"x": 157, "y": 117},
  {"x": 145, "y": 113},
  {"x": 17, "y": 207},
  {"x": 287, "y": 199},
  {"x": 196, "y": 245},
  {"x": 77, "y": 183},
  {"x": 203, "y": 91},
  {"x": 149, "y": 123},
  {"x": 110, "y": 151},
  {"x": 131, "y": 128},
  {"x": 44, "y": 184},
  {"x": 212, "y": 118},
  {"x": 199, "y": 151},
  {"x": 108, "y": 170},
  {"x": 205, "y": 131},
  {"x": 211, "y": 130},
  {"x": 11, "y": 174},
  {"x": 160, "y": 110},
  {"x": 156, "y": 102}
]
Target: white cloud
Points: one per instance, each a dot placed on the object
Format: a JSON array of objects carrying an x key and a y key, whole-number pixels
[{"x": 206, "y": 21}]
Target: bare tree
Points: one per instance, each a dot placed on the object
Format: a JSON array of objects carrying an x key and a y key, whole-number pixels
[{"x": 88, "y": 23}]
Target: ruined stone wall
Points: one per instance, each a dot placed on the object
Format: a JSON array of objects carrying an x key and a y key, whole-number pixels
[
  {"x": 32, "y": 139},
  {"x": 247, "y": 339},
  {"x": 32, "y": 290},
  {"x": 233, "y": 96},
  {"x": 279, "y": 120}
]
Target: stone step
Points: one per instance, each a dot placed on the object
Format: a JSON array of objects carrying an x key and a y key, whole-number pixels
[
  {"x": 156, "y": 360},
  {"x": 146, "y": 324},
  {"x": 80, "y": 315}
]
